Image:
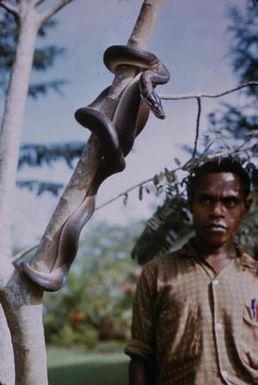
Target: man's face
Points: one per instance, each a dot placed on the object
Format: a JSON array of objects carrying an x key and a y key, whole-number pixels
[{"x": 218, "y": 206}]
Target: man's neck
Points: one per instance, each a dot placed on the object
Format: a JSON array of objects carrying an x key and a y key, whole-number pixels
[{"x": 216, "y": 256}]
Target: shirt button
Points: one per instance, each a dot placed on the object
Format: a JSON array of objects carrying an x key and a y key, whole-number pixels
[
  {"x": 218, "y": 326},
  {"x": 215, "y": 282},
  {"x": 224, "y": 373}
]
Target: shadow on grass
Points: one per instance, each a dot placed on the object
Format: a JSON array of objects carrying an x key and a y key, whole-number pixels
[{"x": 89, "y": 373}]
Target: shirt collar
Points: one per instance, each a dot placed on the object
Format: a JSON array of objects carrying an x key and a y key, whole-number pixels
[{"x": 243, "y": 259}]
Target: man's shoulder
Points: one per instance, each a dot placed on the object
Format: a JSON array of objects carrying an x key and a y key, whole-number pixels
[
  {"x": 185, "y": 253},
  {"x": 246, "y": 260}
]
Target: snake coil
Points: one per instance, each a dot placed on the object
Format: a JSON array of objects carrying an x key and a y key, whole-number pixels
[{"x": 117, "y": 137}]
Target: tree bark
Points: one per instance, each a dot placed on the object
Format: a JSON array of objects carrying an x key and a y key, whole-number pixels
[{"x": 22, "y": 304}]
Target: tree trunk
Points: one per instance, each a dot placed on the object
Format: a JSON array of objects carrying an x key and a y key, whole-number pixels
[
  {"x": 12, "y": 122},
  {"x": 21, "y": 303}
]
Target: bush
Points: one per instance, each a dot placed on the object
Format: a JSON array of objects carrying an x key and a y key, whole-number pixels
[{"x": 86, "y": 336}]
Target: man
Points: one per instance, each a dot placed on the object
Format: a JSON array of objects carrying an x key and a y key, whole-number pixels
[{"x": 195, "y": 314}]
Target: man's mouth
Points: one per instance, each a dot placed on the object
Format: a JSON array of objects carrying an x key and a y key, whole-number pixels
[{"x": 217, "y": 226}]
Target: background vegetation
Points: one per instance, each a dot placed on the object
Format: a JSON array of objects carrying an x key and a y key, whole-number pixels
[{"x": 95, "y": 304}]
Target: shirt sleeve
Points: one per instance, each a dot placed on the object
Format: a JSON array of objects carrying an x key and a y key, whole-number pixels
[{"x": 143, "y": 322}]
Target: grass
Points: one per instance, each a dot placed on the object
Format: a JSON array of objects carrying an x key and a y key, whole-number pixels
[{"x": 77, "y": 367}]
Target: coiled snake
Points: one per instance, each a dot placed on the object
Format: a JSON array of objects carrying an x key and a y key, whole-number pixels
[{"x": 117, "y": 137}]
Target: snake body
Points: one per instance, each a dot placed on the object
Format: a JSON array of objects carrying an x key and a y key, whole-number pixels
[{"x": 117, "y": 138}]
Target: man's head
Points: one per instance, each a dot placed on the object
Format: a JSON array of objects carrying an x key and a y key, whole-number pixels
[
  {"x": 218, "y": 165},
  {"x": 218, "y": 197}
]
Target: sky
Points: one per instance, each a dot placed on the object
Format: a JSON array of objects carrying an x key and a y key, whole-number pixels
[{"x": 191, "y": 40}]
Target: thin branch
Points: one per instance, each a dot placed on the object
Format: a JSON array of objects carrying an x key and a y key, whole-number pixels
[
  {"x": 38, "y": 2},
  {"x": 124, "y": 193},
  {"x": 9, "y": 7},
  {"x": 194, "y": 96},
  {"x": 197, "y": 130},
  {"x": 52, "y": 11}
]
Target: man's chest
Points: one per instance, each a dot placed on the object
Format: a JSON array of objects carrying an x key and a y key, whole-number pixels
[{"x": 201, "y": 295}]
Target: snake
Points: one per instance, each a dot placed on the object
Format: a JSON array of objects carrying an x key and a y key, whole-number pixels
[{"x": 117, "y": 136}]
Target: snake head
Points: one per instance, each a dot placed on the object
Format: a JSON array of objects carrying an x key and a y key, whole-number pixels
[{"x": 154, "y": 102}]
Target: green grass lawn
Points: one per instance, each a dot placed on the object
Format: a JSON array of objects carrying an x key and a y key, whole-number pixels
[{"x": 77, "y": 367}]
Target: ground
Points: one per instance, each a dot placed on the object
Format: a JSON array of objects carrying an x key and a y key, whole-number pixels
[{"x": 75, "y": 366}]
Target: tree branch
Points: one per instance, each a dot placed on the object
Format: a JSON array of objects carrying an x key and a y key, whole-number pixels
[
  {"x": 145, "y": 23},
  {"x": 194, "y": 96},
  {"x": 197, "y": 130},
  {"x": 9, "y": 7},
  {"x": 38, "y": 2},
  {"x": 52, "y": 11},
  {"x": 125, "y": 193}
]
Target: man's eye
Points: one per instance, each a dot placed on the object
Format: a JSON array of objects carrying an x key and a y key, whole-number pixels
[
  {"x": 205, "y": 200},
  {"x": 230, "y": 202}
]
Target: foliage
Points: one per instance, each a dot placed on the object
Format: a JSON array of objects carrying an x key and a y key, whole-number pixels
[
  {"x": 44, "y": 57},
  {"x": 237, "y": 122},
  {"x": 38, "y": 155},
  {"x": 168, "y": 228},
  {"x": 96, "y": 301},
  {"x": 244, "y": 44},
  {"x": 240, "y": 121},
  {"x": 38, "y": 186}
]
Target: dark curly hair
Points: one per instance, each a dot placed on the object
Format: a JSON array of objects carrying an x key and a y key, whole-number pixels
[{"x": 215, "y": 165}]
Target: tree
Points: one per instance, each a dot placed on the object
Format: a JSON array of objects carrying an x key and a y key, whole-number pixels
[
  {"x": 44, "y": 57},
  {"x": 18, "y": 306},
  {"x": 22, "y": 300}
]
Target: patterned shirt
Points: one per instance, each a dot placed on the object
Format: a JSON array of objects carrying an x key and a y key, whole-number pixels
[{"x": 197, "y": 327}]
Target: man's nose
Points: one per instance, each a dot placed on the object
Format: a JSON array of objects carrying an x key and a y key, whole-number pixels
[{"x": 217, "y": 209}]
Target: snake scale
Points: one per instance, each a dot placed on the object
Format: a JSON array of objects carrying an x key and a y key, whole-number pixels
[{"x": 117, "y": 137}]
